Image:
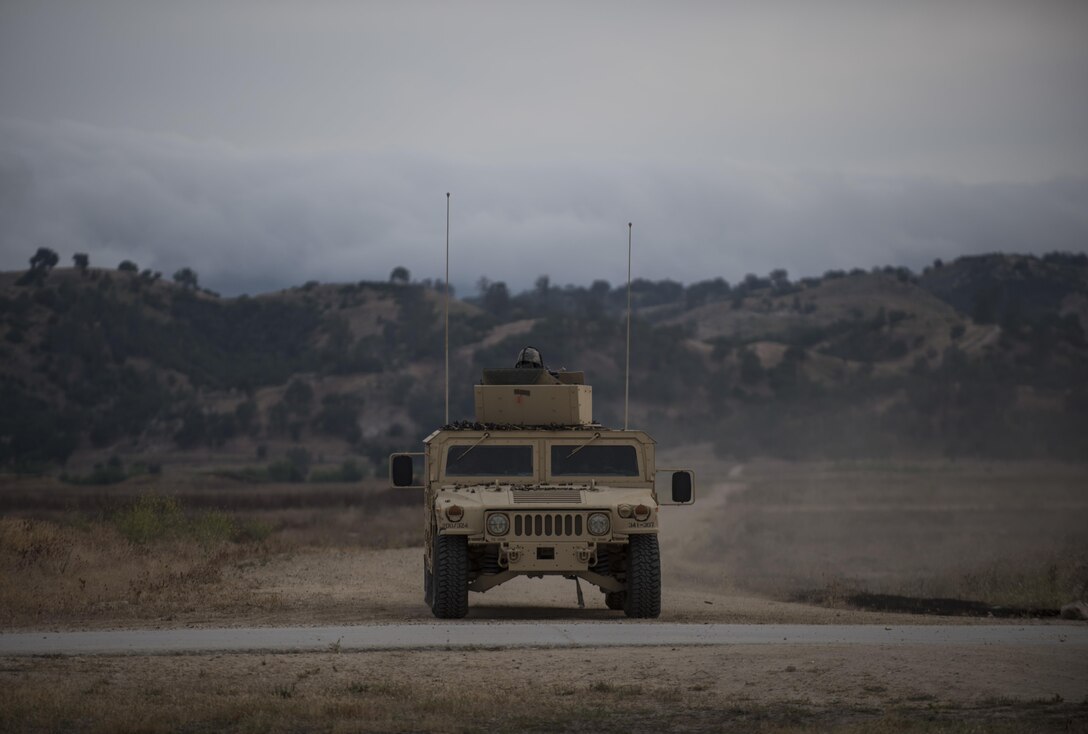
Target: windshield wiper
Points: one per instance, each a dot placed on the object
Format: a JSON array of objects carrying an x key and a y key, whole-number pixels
[
  {"x": 587, "y": 443},
  {"x": 470, "y": 448}
]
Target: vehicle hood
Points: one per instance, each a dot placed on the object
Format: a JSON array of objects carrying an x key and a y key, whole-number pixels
[{"x": 514, "y": 497}]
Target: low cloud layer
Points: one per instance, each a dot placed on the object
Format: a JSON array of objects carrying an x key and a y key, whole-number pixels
[{"x": 249, "y": 222}]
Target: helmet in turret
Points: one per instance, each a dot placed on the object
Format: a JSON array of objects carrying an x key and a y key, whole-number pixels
[{"x": 530, "y": 358}]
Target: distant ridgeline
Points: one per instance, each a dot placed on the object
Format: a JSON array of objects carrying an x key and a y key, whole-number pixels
[{"x": 983, "y": 356}]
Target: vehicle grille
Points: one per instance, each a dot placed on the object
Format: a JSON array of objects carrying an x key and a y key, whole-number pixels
[
  {"x": 548, "y": 525},
  {"x": 547, "y": 496}
]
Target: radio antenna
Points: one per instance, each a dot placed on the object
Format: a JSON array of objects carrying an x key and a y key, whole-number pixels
[
  {"x": 447, "y": 308},
  {"x": 627, "y": 371}
]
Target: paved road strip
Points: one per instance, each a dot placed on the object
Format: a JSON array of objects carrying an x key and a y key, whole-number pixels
[{"x": 468, "y": 635}]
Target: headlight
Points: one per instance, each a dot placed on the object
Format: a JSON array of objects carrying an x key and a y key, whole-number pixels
[
  {"x": 624, "y": 510},
  {"x": 498, "y": 524},
  {"x": 455, "y": 513},
  {"x": 642, "y": 512},
  {"x": 598, "y": 523}
]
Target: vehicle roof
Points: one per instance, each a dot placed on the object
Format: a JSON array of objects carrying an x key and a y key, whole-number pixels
[{"x": 476, "y": 430}]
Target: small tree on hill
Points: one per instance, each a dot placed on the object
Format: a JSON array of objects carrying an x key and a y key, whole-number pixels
[
  {"x": 780, "y": 279},
  {"x": 40, "y": 264},
  {"x": 497, "y": 299},
  {"x": 400, "y": 274},
  {"x": 186, "y": 278},
  {"x": 44, "y": 259},
  {"x": 81, "y": 261},
  {"x": 127, "y": 266}
]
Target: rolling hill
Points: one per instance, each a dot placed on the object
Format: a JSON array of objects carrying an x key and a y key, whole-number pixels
[{"x": 979, "y": 356}]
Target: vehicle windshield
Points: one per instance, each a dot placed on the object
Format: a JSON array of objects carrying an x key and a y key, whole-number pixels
[
  {"x": 590, "y": 461},
  {"x": 489, "y": 461}
]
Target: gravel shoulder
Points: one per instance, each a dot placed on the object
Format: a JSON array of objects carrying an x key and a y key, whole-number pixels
[{"x": 746, "y": 688}]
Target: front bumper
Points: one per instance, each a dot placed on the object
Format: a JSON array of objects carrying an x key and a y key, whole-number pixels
[{"x": 547, "y": 557}]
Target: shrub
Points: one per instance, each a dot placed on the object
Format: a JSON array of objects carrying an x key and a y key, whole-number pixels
[
  {"x": 150, "y": 518},
  {"x": 251, "y": 531},
  {"x": 154, "y": 518},
  {"x": 213, "y": 528},
  {"x": 284, "y": 471},
  {"x": 294, "y": 468}
]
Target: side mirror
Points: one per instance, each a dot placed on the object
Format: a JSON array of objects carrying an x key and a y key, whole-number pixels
[
  {"x": 401, "y": 470},
  {"x": 682, "y": 486}
]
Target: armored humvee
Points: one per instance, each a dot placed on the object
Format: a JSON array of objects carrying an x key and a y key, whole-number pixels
[{"x": 534, "y": 487}]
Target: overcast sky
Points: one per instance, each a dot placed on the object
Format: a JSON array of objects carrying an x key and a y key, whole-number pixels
[{"x": 265, "y": 144}]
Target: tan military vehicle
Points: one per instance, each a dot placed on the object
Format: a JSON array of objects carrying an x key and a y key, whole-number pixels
[{"x": 535, "y": 488}]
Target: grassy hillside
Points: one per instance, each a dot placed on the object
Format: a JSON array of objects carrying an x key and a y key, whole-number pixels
[{"x": 982, "y": 356}]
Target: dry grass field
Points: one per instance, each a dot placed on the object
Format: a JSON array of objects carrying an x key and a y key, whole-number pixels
[
  {"x": 194, "y": 546},
  {"x": 1004, "y": 534},
  {"x": 175, "y": 548},
  {"x": 192, "y": 550}
]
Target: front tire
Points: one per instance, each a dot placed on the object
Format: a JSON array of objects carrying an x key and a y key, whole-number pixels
[
  {"x": 449, "y": 585},
  {"x": 643, "y": 578}
]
